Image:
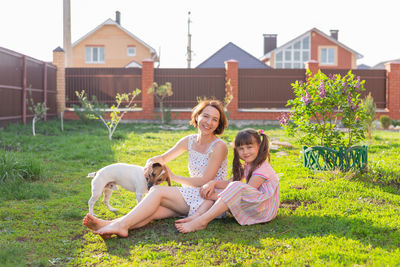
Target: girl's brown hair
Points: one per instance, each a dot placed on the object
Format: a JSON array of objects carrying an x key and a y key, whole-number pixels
[
  {"x": 197, "y": 110},
  {"x": 247, "y": 137}
]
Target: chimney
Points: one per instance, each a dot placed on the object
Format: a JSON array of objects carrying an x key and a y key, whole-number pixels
[
  {"x": 118, "y": 17},
  {"x": 334, "y": 34},
  {"x": 269, "y": 42}
]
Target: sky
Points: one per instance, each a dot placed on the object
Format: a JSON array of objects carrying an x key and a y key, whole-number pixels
[{"x": 370, "y": 27}]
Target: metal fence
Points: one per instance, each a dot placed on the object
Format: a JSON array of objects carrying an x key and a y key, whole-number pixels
[
  {"x": 104, "y": 83},
  {"x": 258, "y": 88},
  {"x": 375, "y": 83},
  {"x": 19, "y": 75},
  {"x": 189, "y": 84},
  {"x": 267, "y": 88}
]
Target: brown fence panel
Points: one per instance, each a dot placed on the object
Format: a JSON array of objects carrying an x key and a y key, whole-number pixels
[
  {"x": 375, "y": 83},
  {"x": 104, "y": 83},
  {"x": 188, "y": 84},
  {"x": 11, "y": 85},
  {"x": 267, "y": 88}
]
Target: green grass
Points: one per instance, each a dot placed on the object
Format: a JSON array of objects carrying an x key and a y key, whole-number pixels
[{"x": 325, "y": 218}]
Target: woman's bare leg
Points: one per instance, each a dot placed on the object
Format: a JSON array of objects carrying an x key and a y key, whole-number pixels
[
  {"x": 167, "y": 197},
  {"x": 202, "y": 221}
]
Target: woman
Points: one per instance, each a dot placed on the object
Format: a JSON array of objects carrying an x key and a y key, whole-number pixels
[{"x": 207, "y": 162}]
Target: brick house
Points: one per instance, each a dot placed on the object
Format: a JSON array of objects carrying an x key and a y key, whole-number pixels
[
  {"x": 311, "y": 45},
  {"x": 111, "y": 45}
]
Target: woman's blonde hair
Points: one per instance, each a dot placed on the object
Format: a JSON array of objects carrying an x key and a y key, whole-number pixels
[{"x": 198, "y": 109}]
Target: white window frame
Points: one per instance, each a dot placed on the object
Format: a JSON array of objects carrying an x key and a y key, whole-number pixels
[
  {"x": 128, "y": 51},
  {"x": 326, "y": 61},
  {"x": 89, "y": 54},
  {"x": 288, "y": 60}
]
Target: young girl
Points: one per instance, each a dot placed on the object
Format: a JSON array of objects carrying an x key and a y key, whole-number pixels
[{"x": 255, "y": 201}]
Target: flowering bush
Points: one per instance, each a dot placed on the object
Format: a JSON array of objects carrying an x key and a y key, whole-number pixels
[{"x": 323, "y": 102}]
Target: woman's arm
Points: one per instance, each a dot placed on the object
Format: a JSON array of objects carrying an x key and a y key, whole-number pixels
[
  {"x": 217, "y": 156},
  {"x": 172, "y": 153}
]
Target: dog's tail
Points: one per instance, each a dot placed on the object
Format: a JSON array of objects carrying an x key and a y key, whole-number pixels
[{"x": 92, "y": 174}]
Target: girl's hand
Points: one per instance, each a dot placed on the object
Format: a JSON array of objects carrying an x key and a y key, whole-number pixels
[{"x": 207, "y": 190}]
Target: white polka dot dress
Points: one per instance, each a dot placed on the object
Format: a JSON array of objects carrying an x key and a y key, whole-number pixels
[{"x": 197, "y": 165}]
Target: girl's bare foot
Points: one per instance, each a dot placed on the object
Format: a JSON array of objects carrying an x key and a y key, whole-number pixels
[
  {"x": 113, "y": 228},
  {"x": 94, "y": 223},
  {"x": 191, "y": 226},
  {"x": 187, "y": 219}
]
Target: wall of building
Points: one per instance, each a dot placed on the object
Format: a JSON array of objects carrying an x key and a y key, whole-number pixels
[{"x": 115, "y": 42}]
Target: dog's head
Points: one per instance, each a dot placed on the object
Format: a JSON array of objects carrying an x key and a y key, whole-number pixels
[{"x": 157, "y": 175}]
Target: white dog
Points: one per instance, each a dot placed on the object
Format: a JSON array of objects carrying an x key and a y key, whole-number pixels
[{"x": 131, "y": 177}]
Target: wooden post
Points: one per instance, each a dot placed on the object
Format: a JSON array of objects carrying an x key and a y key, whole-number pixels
[
  {"x": 45, "y": 87},
  {"x": 24, "y": 90}
]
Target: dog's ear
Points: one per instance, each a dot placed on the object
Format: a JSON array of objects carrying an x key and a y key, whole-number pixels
[{"x": 168, "y": 181}]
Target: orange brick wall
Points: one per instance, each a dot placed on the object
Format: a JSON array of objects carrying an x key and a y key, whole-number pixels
[
  {"x": 115, "y": 42},
  {"x": 344, "y": 58}
]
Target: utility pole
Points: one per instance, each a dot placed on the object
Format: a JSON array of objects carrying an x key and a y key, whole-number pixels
[
  {"x": 189, "y": 47},
  {"x": 67, "y": 32}
]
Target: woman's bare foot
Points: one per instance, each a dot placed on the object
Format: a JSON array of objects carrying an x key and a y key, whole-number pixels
[
  {"x": 187, "y": 219},
  {"x": 94, "y": 223},
  {"x": 113, "y": 228},
  {"x": 192, "y": 226}
]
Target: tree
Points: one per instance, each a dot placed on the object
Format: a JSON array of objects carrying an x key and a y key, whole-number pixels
[
  {"x": 161, "y": 92},
  {"x": 115, "y": 115},
  {"x": 39, "y": 110}
]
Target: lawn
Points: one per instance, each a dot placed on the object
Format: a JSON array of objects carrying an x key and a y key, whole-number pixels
[{"x": 325, "y": 218}]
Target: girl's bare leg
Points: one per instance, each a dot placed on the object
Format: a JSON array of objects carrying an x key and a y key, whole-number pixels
[
  {"x": 202, "y": 221},
  {"x": 206, "y": 205},
  {"x": 167, "y": 197}
]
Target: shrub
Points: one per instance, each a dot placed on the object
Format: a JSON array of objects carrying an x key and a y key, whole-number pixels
[
  {"x": 319, "y": 104},
  {"x": 370, "y": 113},
  {"x": 161, "y": 92},
  {"x": 385, "y": 121}
]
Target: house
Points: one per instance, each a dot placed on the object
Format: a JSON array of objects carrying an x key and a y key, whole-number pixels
[
  {"x": 111, "y": 45},
  {"x": 311, "y": 45},
  {"x": 381, "y": 65},
  {"x": 232, "y": 51}
]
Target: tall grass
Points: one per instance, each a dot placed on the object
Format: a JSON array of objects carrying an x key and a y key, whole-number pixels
[{"x": 14, "y": 167}]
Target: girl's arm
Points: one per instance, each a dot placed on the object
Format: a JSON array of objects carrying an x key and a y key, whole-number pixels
[
  {"x": 217, "y": 156},
  {"x": 256, "y": 181}
]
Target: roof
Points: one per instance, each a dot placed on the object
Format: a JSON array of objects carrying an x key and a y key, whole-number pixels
[
  {"x": 358, "y": 55},
  {"x": 363, "y": 67},
  {"x": 381, "y": 65},
  {"x": 232, "y": 51},
  {"x": 112, "y": 22}
]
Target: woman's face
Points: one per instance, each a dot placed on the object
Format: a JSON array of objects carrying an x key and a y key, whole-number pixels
[{"x": 208, "y": 120}]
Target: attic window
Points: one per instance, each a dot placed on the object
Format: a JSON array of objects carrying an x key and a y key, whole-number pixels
[
  {"x": 94, "y": 54},
  {"x": 131, "y": 51}
]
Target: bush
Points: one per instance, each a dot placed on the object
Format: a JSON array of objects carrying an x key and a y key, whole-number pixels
[
  {"x": 370, "y": 109},
  {"x": 320, "y": 103},
  {"x": 385, "y": 121},
  {"x": 13, "y": 168}
]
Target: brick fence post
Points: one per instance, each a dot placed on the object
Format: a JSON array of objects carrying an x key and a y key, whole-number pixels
[
  {"x": 232, "y": 76},
  {"x": 58, "y": 61},
  {"x": 147, "y": 82},
  {"x": 313, "y": 66},
  {"x": 393, "y": 89}
]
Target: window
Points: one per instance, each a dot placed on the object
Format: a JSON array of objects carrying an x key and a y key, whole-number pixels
[
  {"x": 293, "y": 55},
  {"x": 131, "y": 51},
  {"x": 94, "y": 54},
  {"x": 327, "y": 56}
]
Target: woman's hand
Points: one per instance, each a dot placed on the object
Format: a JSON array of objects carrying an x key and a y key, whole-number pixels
[
  {"x": 171, "y": 175},
  {"x": 207, "y": 190},
  {"x": 148, "y": 167}
]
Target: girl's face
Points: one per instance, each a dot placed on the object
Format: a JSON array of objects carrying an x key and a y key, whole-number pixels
[
  {"x": 248, "y": 153},
  {"x": 208, "y": 120}
]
